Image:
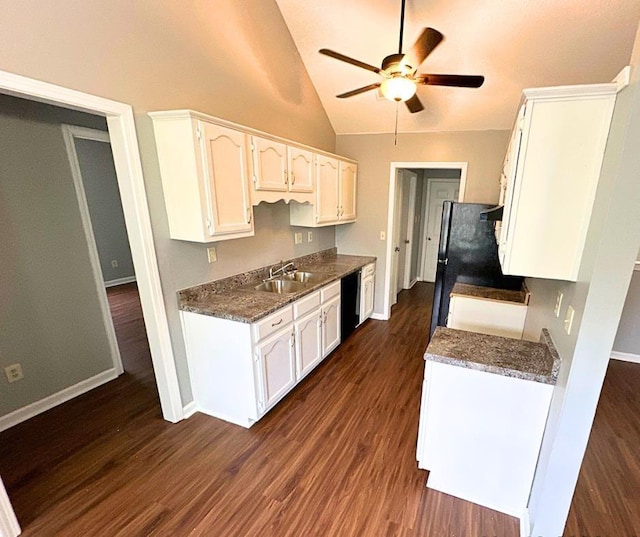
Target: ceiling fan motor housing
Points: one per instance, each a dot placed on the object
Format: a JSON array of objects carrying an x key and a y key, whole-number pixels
[{"x": 393, "y": 65}]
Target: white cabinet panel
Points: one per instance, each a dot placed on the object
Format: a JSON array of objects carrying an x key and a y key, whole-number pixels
[
  {"x": 277, "y": 367},
  {"x": 269, "y": 165},
  {"x": 367, "y": 293},
  {"x": 497, "y": 318},
  {"x": 301, "y": 170},
  {"x": 348, "y": 174},
  {"x": 327, "y": 206},
  {"x": 330, "y": 325},
  {"x": 308, "y": 332}
]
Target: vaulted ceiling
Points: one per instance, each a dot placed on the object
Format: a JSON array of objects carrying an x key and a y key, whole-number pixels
[{"x": 515, "y": 44}]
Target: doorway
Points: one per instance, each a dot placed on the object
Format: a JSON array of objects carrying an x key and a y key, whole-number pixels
[{"x": 412, "y": 227}]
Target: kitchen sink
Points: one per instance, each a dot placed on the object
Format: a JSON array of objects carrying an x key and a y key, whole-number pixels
[
  {"x": 281, "y": 286},
  {"x": 304, "y": 277}
]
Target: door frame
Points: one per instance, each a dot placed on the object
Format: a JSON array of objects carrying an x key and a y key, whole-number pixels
[
  {"x": 393, "y": 171},
  {"x": 411, "y": 214},
  {"x": 126, "y": 157},
  {"x": 71, "y": 133},
  {"x": 9, "y": 526},
  {"x": 425, "y": 221},
  {"x": 397, "y": 224}
]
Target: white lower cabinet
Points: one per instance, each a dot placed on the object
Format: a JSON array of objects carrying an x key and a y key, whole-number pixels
[
  {"x": 239, "y": 371},
  {"x": 367, "y": 291}
]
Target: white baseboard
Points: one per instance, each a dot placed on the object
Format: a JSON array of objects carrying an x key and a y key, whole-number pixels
[
  {"x": 379, "y": 317},
  {"x": 33, "y": 409},
  {"x": 189, "y": 409},
  {"x": 625, "y": 357},
  {"x": 525, "y": 524},
  {"x": 120, "y": 281}
]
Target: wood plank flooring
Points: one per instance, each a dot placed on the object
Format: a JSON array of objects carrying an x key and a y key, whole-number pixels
[{"x": 336, "y": 458}]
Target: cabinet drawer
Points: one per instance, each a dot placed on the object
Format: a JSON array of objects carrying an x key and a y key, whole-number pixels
[
  {"x": 306, "y": 304},
  {"x": 330, "y": 291},
  {"x": 272, "y": 323},
  {"x": 369, "y": 270}
]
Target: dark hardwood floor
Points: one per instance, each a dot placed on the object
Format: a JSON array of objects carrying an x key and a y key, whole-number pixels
[{"x": 336, "y": 458}]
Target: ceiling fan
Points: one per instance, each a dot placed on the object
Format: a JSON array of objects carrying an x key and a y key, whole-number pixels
[{"x": 399, "y": 74}]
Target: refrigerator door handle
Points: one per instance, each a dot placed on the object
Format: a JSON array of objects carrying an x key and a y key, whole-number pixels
[{"x": 443, "y": 261}]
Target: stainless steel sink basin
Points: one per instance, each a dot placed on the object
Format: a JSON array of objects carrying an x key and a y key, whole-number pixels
[
  {"x": 280, "y": 286},
  {"x": 304, "y": 277}
]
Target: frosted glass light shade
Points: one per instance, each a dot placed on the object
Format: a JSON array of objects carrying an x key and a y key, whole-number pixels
[{"x": 398, "y": 88}]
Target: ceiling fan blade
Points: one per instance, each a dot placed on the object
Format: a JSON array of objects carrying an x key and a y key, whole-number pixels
[
  {"x": 346, "y": 59},
  {"x": 358, "y": 91},
  {"x": 414, "y": 105},
  {"x": 429, "y": 39},
  {"x": 461, "y": 81}
]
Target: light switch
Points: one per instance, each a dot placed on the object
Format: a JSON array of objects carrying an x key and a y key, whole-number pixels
[
  {"x": 211, "y": 254},
  {"x": 297, "y": 237},
  {"x": 568, "y": 320},
  {"x": 383, "y": 236},
  {"x": 309, "y": 236}
]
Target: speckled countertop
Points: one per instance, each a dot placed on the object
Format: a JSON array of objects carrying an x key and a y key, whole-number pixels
[
  {"x": 509, "y": 357},
  {"x": 491, "y": 293},
  {"x": 235, "y": 299}
]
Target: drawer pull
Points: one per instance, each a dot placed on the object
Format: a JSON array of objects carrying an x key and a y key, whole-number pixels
[{"x": 276, "y": 324}]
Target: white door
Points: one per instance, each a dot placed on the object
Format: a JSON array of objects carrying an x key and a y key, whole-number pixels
[
  {"x": 276, "y": 357},
  {"x": 225, "y": 164},
  {"x": 330, "y": 326},
  {"x": 308, "y": 342},
  {"x": 411, "y": 181},
  {"x": 326, "y": 189},
  {"x": 395, "y": 261},
  {"x": 301, "y": 170},
  {"x": 269, "y": 164},
  {"x": 440, "y": 190}
]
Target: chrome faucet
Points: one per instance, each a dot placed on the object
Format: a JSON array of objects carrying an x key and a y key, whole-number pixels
[{"x": 282, "y": 270}]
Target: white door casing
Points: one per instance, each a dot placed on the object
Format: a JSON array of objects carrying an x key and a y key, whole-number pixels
[
  {"x": 439, "y": 190},
  {"x": 395, "y": 237},
  {"x": 9, "y": 526},
  {"x": 411, "y": 180}
]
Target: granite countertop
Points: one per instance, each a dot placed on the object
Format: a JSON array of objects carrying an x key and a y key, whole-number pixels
[
  {"x": 235, "y": 299},
  {"x": 491, "y": 293},
  {"x": 509, "y": 357}
]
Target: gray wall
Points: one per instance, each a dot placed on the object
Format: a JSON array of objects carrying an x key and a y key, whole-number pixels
[
  {"x": 165, "y": 55},
  {"x": 598, "y": 297},
  {"x": 483, "y": 151},
  {"x": 105, "y": 208},
  {"x": 628, "y": 335},
  {"x": 50, "y": 319}
]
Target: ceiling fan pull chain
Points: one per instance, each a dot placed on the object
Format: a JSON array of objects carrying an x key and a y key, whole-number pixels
[{"x": 395, "y": 132}]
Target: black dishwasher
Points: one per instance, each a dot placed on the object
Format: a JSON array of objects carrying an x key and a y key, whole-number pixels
[{"x": 349, "y": 298}]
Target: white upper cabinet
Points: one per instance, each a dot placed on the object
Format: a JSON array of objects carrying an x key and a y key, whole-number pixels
[
  {"x": 204, "y": 178},
  {"x": 301, "y": 170},
  {"x": 269, "y": 165},
  {"x": 550, "y": 178},
  {"x": 335, "y": 199}
]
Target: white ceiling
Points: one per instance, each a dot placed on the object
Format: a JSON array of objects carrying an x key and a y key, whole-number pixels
[{"x": 515, "y": 44}]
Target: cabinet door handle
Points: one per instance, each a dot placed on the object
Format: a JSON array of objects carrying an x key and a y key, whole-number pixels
[
  {"x": 293, "y": 178},
  {"x": 338, "y": 211},
  {"x": 286, "y": 179},
  {"x": 278, "y": 323},
  {"x": 248, "y": 215}
]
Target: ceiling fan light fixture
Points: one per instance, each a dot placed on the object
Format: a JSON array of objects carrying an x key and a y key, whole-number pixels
[{"x": 398, "y": 88}]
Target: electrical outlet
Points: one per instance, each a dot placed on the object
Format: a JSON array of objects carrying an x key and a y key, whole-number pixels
[
  {"x": 297, "y": 237},
  {"x": 568, "y": 320},
  {"x": 556, "y": 310},
  {"x": 13, "y": 372},
  {"x": 309, "y": 236},
  {"x": 383, "y": 236},
  {"x": 211, "y": 254},
  {"x": 114, "y": 263}
]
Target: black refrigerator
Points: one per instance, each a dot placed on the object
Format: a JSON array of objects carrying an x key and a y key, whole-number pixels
[{"x": 468, "y": 253}]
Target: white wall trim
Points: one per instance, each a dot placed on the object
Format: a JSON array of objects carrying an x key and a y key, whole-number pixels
[
  {"x": 126, "y": 156},
  {"x": 189, "y": 409},
  {"x": 120, "y": 281},
  {"x": 625, "y": 357},
  {"x": 393, "y": 171},
  {"x": 378, "y": 317},
  {"x": 69, "y": 133},
  {"x": 9, "y": 526},
  {"x": 525, "y": 524},
  {"x": 33, "y": 409}
]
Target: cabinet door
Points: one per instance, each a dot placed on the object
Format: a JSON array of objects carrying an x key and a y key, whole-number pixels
[
  {"x": 366, "y": 298},
  {"x": 269, "y": 164},
  {"x": 330, "y": 326},
  {"x": 301, "y": 170},
  {"x": 226, "y": 182},
  {"x": 308, "y": 332},
  {"x": 277, "y": 367},
  {"x": 327, "y": 170},
  {"x": 348, "y": 174}
]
